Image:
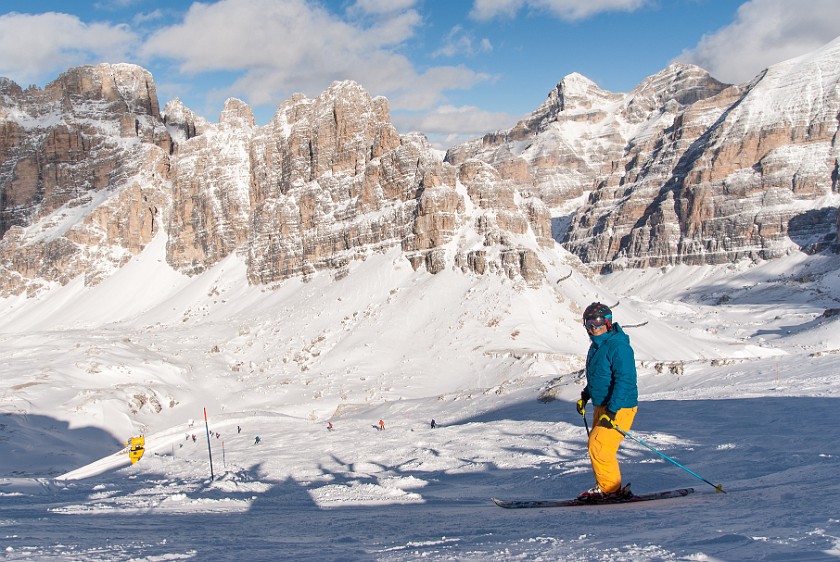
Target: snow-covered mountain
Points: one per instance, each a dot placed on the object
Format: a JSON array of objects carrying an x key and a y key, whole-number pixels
[{"x": 683, "y": 169}]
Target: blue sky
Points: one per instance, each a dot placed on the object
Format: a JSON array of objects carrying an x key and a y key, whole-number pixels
[{"x": 451, "y": 69}]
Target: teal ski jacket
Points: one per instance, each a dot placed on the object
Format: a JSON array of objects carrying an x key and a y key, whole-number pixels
[{"x": 611, "y": 371}]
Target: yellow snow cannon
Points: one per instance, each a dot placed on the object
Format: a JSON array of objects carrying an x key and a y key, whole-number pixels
[{"x": 136, "y": 448}]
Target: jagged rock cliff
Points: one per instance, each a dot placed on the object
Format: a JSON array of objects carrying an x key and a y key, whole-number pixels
[
  {"x": 332, "y": 181},
  {"x": 92, "y": 170},
  {"x": 210, "y": 176},
  {"x": 83, "y": 168},
  {"x": 683, "y": 169}
]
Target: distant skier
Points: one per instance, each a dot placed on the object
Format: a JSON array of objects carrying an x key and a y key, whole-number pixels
[
  {"x": 238, "y": 429},
  {"x": 433, "y": 424},
  {"x": 611, "y": 385},
  {"x": 193, "y": 437},
  {"x": 329, "y": 426},
  {"x": 257, "y": 440},
  {"x": 381, "y": 425}
]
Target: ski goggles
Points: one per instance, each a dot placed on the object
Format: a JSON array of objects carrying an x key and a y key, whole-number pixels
[{"x": 594, "y": 322}]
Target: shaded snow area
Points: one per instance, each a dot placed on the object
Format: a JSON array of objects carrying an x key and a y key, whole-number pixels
[{"x": 738, "y": 375}]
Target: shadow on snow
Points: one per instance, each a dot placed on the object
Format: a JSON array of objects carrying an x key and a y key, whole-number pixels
[{"x": 763, "y": 450}]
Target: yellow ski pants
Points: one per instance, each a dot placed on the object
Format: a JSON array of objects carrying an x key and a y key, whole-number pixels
[{"x": 603, "y": 448}]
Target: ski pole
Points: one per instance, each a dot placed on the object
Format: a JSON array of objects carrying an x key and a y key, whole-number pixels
[
  {"x": 718, "y": 487},
  {"x": 582, "y": 411}
]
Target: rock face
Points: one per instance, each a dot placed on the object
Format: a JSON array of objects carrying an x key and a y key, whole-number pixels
[
  {"x": 94, "y": 170},
  {"x": 683, "y": 169},
  {"x": 210, "y": 173},
  {"x": 330, "y": 177},
  {"x": 89, "y": 145},
  {"x": 332, "y": 181}
]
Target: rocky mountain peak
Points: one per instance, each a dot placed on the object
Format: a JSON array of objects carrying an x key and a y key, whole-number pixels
[
  {"x": 127, "y": 87},
  {"x": 9, "y": 89},
  {"x": 181, "y": 122},
  {"x": 576, "y": 93},
  {"x": 81, "y": 166},
  {"x": 237, "y": 113},
  {"x": 682, "y": 83},
  {"x": 747, "y": 172},
  {"x": 684, "y": 168},
  {"x": 344, "y": 89}
]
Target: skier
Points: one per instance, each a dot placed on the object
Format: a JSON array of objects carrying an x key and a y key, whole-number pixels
[
  {"x": 257, "y": 440},
  {"x": 611, "y": 385},
  {"x": 433, "y": 424},
  {"x": 238, "y": 429},
  {"x": 381, "y": 425},
  {"x": 329, "y": 426}
]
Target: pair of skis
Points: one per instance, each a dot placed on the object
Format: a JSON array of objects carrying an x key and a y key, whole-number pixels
[{"x": 522, "y": 504}]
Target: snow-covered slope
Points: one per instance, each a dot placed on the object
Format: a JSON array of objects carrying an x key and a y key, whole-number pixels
[
  {"x": 737, "y": 368},
  {"x": 383, "y": 333}
]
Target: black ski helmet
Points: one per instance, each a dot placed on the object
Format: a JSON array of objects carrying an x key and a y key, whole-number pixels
[{"x": 596, "y": 311}]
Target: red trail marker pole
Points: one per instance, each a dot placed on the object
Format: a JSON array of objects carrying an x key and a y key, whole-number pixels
[{"x": 209, "y": 451}]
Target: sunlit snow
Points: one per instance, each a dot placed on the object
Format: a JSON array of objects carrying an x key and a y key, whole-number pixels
[{"x": 738, "y": 379}]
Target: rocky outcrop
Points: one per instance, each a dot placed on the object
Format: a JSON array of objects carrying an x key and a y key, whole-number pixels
[
  {"x": 70, "y": 138},
  {"x": 554, "y": 153},
  {"x": 683, "y": 169},
  {"x": 89, "y": 145},
  {"x": 181, "y": 123},
  {"x": 332, "y": 181},
  {"x": 210, "y": 175}
]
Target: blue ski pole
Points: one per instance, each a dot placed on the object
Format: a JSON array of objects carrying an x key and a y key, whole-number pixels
[{"x": 718, "y": 487}]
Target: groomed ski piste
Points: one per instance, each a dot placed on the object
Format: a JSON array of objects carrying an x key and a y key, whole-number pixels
[{"x": 738, "y": 375}]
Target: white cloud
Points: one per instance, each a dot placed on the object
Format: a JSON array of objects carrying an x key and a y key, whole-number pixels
[
  {"x": 448, "y": 125},
  {"x": 765, "y": 32},
  {"x": 283, "y": 47},
  {"x": 489, "y": 9},
  {"x": 459, "y": 42},
  {"x": 570, "y": 10},
  {"x": 425, "y": 91},
  {"x": 37, "y": 48},
  {"x": 142, "y": 18},
  {"x": 383, "y": 6}
]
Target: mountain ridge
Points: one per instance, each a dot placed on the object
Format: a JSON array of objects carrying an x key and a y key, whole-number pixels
[{"x": 682, "y": 169}]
